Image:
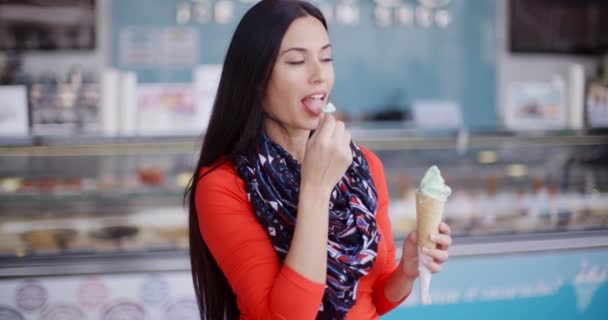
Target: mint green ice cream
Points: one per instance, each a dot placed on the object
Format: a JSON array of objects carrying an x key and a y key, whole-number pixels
[
  {"x": 433, "y": 185},
  {"x": 329, "y": 108}
]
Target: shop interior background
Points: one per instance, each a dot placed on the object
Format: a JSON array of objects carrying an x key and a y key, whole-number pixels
[{"x": 103, "y": 102}]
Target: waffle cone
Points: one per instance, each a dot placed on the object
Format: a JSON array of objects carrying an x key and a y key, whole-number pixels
[{"x": 428, "y": 216}]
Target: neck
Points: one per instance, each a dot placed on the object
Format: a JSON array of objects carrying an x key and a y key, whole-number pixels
[{"x": 292, "y": 140}]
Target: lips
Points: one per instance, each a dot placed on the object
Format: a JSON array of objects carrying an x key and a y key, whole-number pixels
[{"x": 313, "y": 103}]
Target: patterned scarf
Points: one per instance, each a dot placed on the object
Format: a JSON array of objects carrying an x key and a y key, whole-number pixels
[{"x": 272, "y": 182}]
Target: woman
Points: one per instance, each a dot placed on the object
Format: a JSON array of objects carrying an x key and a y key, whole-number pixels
[{"x": 270, "y": 155}]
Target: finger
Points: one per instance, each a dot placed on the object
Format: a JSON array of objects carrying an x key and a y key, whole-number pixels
[
  {"x": 445, "y": 228},
  {"x": 411, "y": 268},
  {"x": 441, "y": 239},
  {"x": 347, "y": 138},
  {"x": 346, "y": 145},
  {"x": 442, "y": 247},
  {"x": 413, "y": 272},
  {"x": 413, "y": 237},
  {"x": 338, "y": 137},
  {"x": 439, "y": 256},
  {"x": 326, "y": 126},
  {"x": 425, "y": 259},
  {"x": 338, "y": 134},
  {"x": 433, "y": 267}
]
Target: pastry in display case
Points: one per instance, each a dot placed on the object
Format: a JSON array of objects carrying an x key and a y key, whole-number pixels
[
  {"x": 98, "y": 222},
  {"x": 92, "y": 199},
  {"x": 70, "y": 202},
  {"x": 506, "y": 186},
  {"x": 116, "y": 238},
  {"x": 48, "y": 240}
]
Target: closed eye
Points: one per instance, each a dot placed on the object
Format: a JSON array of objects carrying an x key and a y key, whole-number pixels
[{"x": 302, "y": 62}]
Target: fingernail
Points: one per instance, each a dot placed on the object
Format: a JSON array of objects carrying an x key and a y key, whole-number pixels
[
  {"x": 433, "y": 237},
  {"x": 425, "y": 250}
]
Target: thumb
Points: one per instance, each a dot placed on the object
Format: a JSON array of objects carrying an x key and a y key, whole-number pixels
[
  {"x": 410, "y": 244},
  {"x": 412, "y": 237},
  {"x": 415, "y": 237}
]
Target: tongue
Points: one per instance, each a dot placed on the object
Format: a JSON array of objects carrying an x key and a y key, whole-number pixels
[{"x": 313, "y": 106}]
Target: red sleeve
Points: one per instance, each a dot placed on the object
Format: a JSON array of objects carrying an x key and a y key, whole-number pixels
[
  {"x": 383, "y": 305},
  {"x": 265, "y": 289}
]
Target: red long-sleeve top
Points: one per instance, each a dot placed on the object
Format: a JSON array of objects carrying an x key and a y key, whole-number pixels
[{"x": 264, "y": 287}]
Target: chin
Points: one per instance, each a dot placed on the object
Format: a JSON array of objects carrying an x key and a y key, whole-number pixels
[{"x": 312, "y": 124}]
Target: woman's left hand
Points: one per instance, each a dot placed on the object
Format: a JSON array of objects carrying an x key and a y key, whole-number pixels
[{"x": 438, "y": 256}]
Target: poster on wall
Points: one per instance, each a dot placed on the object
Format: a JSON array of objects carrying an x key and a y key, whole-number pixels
[
  {"x": 137, "y": 47},
  {"x": 437, "y": 114},
  {"x": 166, "y": 109},
  {"x": 153, "y": 47},
  {"x": 13, "y": 111},
  {"x": 206, "y": 81},
  {"x": 597, "y": 106},
  {"x": 535, "y": 106},
  {"x": 179, "y": 47}
]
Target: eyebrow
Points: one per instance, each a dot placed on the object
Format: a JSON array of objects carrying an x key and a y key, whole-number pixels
[{"x": 303, "y": 49}]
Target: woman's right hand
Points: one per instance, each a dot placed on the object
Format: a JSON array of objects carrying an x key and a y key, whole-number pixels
[{"x": 328, "y": 154}]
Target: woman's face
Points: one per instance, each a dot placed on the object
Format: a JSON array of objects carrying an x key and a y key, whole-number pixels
[{"x": 302, "y": 77}]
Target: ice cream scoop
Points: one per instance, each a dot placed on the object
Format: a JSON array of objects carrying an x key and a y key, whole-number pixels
[
  {"x": 430, "y": 200},
  {"x": 433, "y": 185},
  {"x": 329, "y": 108}
]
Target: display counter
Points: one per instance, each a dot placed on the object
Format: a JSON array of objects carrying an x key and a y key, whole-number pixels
[{"x": 95, "y": 212}]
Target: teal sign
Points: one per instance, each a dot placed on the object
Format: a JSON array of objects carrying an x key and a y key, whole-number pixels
[{"x": 560, "y": 285}]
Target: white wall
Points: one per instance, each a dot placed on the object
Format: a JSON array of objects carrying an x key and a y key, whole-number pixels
[
  {"x": 36, "y": 63},
  {"x": 528, "y": 67}
]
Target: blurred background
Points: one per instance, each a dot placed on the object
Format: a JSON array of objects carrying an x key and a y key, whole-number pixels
[{"x": 103, "y": 104}]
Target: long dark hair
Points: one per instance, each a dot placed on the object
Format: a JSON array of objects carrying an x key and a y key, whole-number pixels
[{"x": 235, "y": 124}]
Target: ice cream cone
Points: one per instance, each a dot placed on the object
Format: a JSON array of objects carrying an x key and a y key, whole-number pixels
[
  {"x": 430, "y": 199},
  {"x": 428, "y": 216}
]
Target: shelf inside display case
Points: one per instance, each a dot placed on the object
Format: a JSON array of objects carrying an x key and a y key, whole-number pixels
[
  {"x": 370, "y": 131},
  {"x": 56, "y": 198},
  {"x": 177, "y": 259},
  {"x": 90, "y": 233},
  {"x": 88, "y": 196}
]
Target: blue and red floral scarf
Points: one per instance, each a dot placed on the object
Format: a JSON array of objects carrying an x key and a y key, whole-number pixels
[{"x": 272, "y": 181}]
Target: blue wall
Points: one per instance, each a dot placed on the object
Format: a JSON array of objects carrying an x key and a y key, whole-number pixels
[{"x": 375, "y": 66}]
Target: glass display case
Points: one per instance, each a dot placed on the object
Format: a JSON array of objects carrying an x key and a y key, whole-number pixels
[
  {"x": 94, "y": 197},
  {"x": 503, "y": 185},
  {"x": 89, "y": 199},
  {"x": 95, "y": 227}
]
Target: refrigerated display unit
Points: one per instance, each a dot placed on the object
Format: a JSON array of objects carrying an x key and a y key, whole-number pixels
[{"x": 96, "y": 226}]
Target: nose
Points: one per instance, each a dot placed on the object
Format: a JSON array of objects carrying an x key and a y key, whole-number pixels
[{"x": 317, "y": 73}]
